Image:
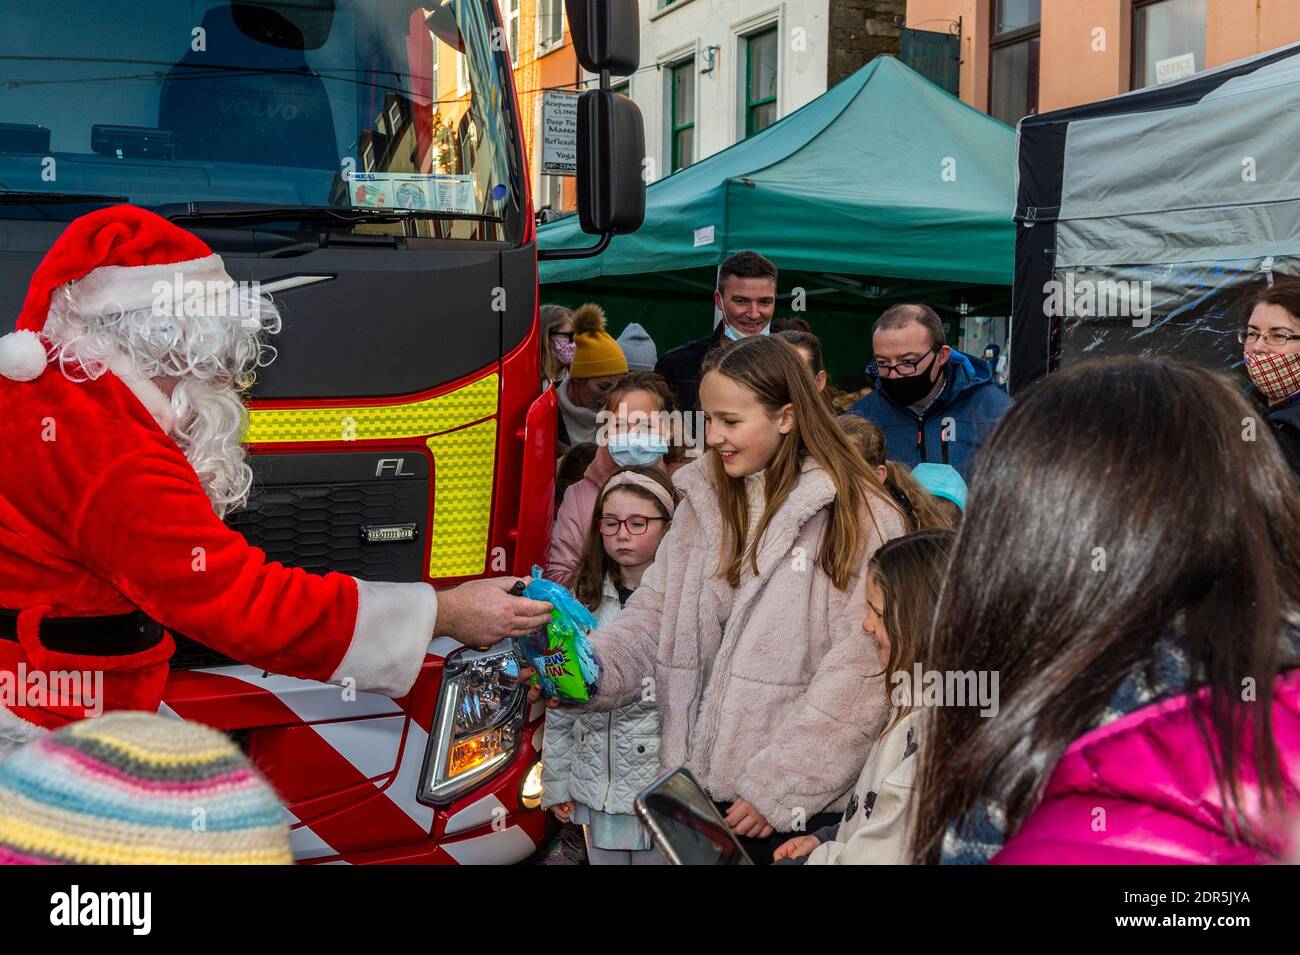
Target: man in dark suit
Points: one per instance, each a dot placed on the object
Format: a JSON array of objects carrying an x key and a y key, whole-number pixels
[{"x": 746, "y": 296}]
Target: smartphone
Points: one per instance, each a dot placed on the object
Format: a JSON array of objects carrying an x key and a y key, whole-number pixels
[{"x": 685, "y": 825}]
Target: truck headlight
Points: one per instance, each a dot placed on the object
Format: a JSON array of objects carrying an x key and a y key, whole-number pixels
[{"x": 479, "y": 724}]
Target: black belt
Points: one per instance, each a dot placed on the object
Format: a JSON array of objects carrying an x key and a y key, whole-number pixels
[{"x": 115, "y": 636}]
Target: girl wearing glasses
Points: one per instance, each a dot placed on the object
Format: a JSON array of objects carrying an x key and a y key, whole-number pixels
[
  {"x": 1272, "y": 354},
  {"x": 596, "y": 763}
]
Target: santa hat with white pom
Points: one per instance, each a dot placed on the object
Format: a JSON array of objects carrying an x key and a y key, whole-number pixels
[{"x": 116, "y": 258}]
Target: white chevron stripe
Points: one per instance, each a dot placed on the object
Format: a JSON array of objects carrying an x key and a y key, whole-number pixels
[
  {"x": 369, "y": 745},
  {"x": 506, "y": 847},
  {"x": 407, "y": 784},
  {"x": 479, "y": 813},
  {"x": 167, "y": 711},
  {"x": 304, "y": 843},
  {"x": 310, "y": 700}
]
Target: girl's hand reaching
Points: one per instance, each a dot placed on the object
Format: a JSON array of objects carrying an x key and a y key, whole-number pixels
[
  {"x": 796, "y": 848},
  {"x": 745, "y": 820},
  {"x": 562, "y": 811},
  {"x": 535, "y": 692}
]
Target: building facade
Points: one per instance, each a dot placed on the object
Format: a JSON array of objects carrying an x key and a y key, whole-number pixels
[
  {"x": 716, "y": 71},
  {"x": 712, "y": 72},
  {"x": 1030, "y": 56}
]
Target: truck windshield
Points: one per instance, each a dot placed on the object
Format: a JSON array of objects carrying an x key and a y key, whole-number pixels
[{"x": 237, "y": 109}]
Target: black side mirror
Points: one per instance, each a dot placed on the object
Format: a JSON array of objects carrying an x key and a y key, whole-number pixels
[
  {"x": 611, "y": 138},
  {"x": 606, "y": 34},
  {"x": 611, "y": 147}
]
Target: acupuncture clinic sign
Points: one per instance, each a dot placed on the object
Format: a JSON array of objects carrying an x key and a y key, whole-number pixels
[{"x": 559, "y": 133}]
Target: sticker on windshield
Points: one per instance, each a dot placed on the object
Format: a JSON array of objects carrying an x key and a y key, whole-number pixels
[{"x": 438, "y": 192}]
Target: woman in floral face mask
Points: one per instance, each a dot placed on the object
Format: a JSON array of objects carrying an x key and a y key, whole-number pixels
[
  {"x": 557, "y": 341},
  {"x": 1272, "y": 341}
]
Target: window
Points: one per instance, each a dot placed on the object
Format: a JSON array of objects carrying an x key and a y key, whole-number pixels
[
  {"x": 681, "y": 84},
  {"x": 462, "y": 73},
  {"x": 550, "y": 23},
  {"x": 1168, "y": 41},
  {"x": 552, "y": 192},
  {"x": 512, "y": 30},
  {"x": 1013, "y": 60},
  {"x": 760, "y": 81},
  {"x": 312, "y": 130}
]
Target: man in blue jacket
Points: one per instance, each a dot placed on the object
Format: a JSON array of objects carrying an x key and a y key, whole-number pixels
[{"x": 933, "y": 402}]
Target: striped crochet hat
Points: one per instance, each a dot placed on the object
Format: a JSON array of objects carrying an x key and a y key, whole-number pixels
[{"x": 137, "y": 788}]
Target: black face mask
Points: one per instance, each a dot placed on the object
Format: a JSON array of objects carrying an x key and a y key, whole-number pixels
[{"x": 908, "y": 391}]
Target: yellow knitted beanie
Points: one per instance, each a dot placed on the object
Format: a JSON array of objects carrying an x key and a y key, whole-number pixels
[{"x": 595, "y": 353}]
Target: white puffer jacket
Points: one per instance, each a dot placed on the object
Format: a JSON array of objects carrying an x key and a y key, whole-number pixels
[{"x": 600, "y": 760}]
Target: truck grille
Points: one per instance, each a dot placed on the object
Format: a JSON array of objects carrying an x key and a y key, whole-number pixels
[{"x": 308, "y": 511}]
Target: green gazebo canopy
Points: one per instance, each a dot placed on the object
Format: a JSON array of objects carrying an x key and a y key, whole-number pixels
[{"x": 884, "y": 188}]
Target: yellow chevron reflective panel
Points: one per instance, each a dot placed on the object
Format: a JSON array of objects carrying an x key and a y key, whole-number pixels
[
  {"x": 412, "y": 419},
  {"x": 463, "y": 464},
  {"x": 464, "y": 458}
]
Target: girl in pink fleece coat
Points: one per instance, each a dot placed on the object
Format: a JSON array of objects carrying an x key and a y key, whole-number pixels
[{"x": 746, "y": 628}]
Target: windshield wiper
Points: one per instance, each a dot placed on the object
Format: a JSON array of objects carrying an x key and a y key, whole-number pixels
[
  {"x": 251, "y": 212},
  {"x": 16, "y": 197}
]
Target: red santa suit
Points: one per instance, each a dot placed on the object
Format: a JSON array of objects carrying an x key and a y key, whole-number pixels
[{"x": 101, "y": 514}]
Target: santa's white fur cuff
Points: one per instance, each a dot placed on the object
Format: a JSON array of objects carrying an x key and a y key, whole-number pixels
[{"x": 393, "y": 630}]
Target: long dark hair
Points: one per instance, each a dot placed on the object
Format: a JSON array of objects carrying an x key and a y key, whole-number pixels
[
  {"x": 1115, "y": 503},
  {"x": 775, "y": 372}
]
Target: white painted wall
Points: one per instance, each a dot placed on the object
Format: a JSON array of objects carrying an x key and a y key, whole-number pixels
[{"x": 687, "y": 28}]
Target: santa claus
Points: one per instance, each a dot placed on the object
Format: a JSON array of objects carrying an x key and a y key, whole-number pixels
[{"x": 116, "y": 467}]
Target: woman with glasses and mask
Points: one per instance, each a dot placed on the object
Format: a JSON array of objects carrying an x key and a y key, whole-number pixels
[
  {"x": 557, "y": 342},
  {"x": 1272, "y": 355}
]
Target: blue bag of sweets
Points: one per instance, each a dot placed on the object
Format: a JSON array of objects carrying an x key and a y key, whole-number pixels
[{"x": 560, "y": 652}]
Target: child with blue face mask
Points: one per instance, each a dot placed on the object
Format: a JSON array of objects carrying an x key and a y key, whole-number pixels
[
  {"x": 636, "y": 430},
  {"x": 637, "y": 449}
]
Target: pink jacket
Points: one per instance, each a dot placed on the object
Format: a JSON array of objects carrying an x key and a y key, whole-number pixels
[
  {"x": 573, "y": 519},
  {"x": 1140, "y": 791}
]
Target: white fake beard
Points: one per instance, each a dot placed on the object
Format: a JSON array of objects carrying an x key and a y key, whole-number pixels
[
  {"x": 205, "y": 354},
  {"x": 210, "y": 420}
]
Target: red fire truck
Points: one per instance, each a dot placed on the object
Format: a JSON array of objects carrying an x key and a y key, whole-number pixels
[{"x": 363, "y": 161}]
